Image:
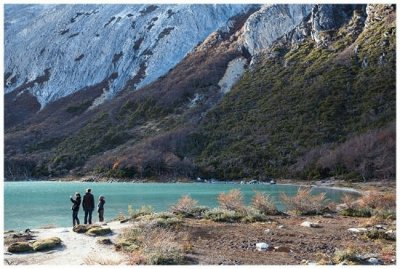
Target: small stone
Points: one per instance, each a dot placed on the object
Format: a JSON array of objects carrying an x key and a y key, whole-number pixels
[
  {"x": 327, "y": 215},
  {"x": 281, "y": 227},
  {"x": 357, "y": 230},
  {"x": 374, "y": 261},
  {"x": 104, "y": 241},
  {"x": 262, "y": 246},
  {"x": 310, "y": 224},
  {"x": 267, "y": 231}
]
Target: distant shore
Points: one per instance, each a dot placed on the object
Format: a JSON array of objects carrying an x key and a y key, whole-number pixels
[{"x": 341, "y": 185}]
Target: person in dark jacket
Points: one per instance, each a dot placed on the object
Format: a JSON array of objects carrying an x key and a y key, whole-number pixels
[
  {"x": 88, "y": 205},
  {"x": 75, "y": 208},
  {"x": 100, "y": 208}
]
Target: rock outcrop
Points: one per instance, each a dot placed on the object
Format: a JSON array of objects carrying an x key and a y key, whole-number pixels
[{"x": 52, "y": 51}]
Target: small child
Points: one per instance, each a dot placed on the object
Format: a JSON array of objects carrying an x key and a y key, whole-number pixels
[{"x": 100, "y": 208}]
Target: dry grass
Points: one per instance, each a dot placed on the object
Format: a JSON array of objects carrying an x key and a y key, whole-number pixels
[
  {"x": 233, "y": 200},
  {"x": 160, "y": 246},
  {"x": 263, "y": 203},
  {"x": 144, "y": 210},
  {"x": 101, "y": 260},
  {"x": 304, "y": 203}
]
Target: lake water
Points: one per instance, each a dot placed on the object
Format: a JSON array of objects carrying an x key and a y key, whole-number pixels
[{"x": 41, "y": 203}]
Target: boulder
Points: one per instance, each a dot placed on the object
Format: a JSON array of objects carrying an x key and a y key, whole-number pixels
[
  {"x": 310, "y": 224},
  {"x": 83, "y": 228},
  {"x": 46, "y": 244},
  {"x": 20, "y": 247},
  {"x": 98, "y": 231},
  {"x": 80, "y": 228}
]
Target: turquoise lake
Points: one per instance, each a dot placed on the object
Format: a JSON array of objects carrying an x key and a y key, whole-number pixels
[{"x": 31, "y": 204}]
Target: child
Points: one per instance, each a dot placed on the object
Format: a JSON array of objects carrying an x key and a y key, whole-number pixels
[
  {"x": 75, "y": 208},
  {"x": 100, "y": 208}
]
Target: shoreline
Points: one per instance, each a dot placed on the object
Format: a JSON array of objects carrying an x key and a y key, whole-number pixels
[{"x": 352, "y": 187}]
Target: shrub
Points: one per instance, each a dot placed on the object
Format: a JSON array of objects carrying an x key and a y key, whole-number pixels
[
  {"x": 253, "y": 215},
  {"x": 144, "y": 210},
  {"x": 379, "y": 201},
  {"x": 264, "y": 204},
  {"x": 356, "y": 212},
  {"x": 185, "y": 206},
  {"x": 381, "y": 205},
  {"x": 129, "y": 239},
  {"x": 304, "y": 203},
  {"x": 379, "y": 234},
  {"x": 233, "y": 200},
  {"x": 161, "y": 220},
  {"x": 350, "y": 254},
  {"x": 223, "y": 215}
]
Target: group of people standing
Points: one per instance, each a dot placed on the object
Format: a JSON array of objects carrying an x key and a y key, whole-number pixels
[{"x": 88, "y": 207}]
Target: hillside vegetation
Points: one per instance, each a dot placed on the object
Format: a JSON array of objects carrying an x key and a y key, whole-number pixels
[{"x": 310, "y": 111}]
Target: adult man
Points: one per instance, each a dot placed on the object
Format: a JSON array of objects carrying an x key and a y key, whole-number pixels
[{"x": 88, "y": 205}]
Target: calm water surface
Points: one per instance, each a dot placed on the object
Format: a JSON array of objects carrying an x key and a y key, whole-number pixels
[{"x": 41, "y": 203}]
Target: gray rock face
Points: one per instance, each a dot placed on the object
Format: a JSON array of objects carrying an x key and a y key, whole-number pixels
[
  {"x": 69, "y": 47},
  {"x": 325, "y": 18},
  {"x": 270, "y": 23}
]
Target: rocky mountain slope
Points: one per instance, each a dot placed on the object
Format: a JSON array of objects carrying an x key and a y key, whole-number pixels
[{"x": 271, "y": 92}]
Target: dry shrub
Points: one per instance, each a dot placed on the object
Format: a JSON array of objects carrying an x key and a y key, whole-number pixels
[
  {"x": 350, "y": 254},
  {"x": 160, "y": 246},
  {"x": 185, "y": 206},
  {"x": 349, "y": 201},
  {"x": 233, "y": 200},
  {"x": 352, "y": 208},
  {"x": 375, "y": 200},
  {"x": 137, "y": 257},
  {"x": 263, "y": 203},
  {"x": 304, "y": 203}
]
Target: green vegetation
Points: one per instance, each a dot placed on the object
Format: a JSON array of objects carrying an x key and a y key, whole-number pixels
[
  {"x": 79, "y": 108},
  {"x": 286, "y": 115},
  {"x": 46, "y": 244},
  {"x": 19, "y": 247}
]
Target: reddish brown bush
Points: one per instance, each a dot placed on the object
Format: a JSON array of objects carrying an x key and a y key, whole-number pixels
[
  {"x": 233, "y": 200},
  {"x": 304, "y": 203}
]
